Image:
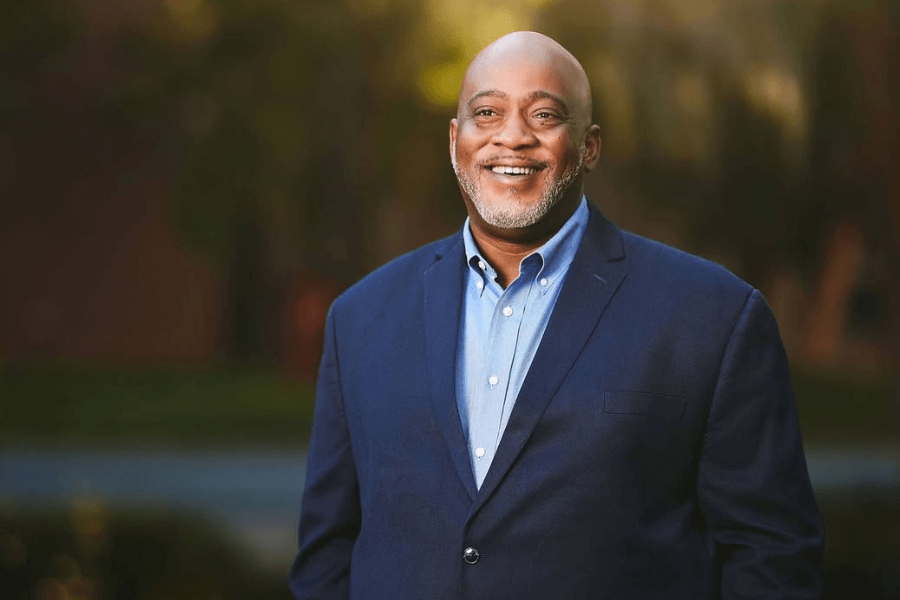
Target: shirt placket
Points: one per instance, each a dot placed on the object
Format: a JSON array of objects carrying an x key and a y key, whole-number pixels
[{"x": 499, "y": 355}]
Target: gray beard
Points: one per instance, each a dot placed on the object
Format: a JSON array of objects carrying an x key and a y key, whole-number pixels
[{"x": 509, "y": 213}]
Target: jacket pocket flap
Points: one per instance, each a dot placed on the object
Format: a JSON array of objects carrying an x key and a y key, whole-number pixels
[{"x": 644, "y": 403}]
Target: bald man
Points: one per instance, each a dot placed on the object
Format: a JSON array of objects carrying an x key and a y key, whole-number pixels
[{"x": 545, "y": 406}]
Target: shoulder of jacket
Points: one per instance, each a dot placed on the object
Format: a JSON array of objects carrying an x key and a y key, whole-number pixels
[
  {"x": 679, "y": 267},
  {"x": 400, "y": 271}
]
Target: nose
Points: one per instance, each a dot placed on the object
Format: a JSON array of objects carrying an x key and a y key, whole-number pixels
[{"x": 514, "y": 132}]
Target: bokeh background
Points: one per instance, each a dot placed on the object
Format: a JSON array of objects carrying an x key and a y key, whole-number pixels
[{"x": 187, "y": 184}]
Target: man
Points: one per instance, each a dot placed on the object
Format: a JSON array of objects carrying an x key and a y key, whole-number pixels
[{"x": 544, "y": 406}]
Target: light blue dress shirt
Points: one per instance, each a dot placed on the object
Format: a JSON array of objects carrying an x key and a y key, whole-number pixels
[{"x": 500, "y": 331}]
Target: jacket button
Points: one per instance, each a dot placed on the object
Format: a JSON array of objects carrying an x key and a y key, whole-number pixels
[{"x": 470, "y": 555}]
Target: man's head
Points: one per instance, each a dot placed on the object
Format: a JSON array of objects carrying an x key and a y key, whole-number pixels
[{"x": 522, "y": 137}]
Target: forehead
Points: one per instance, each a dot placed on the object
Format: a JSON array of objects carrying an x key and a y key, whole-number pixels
[{"x": 519, "y": 75}]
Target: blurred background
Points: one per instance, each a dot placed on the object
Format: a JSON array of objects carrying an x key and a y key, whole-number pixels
[{"x": 187, "y": 184}]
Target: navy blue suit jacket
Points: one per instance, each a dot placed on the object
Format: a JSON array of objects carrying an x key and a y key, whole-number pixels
[{"x": 653, "y": 452}]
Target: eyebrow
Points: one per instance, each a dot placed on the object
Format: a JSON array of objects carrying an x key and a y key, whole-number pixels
[
  {"x": 535, "y": 95},
  {"x": 486, "y": 93},
  {"x": 543, "y": 95}
]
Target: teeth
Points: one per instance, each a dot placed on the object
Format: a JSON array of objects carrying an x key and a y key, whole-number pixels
[{"x": 514, "y": 170}]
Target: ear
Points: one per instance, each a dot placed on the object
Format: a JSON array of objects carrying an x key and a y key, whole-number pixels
[
  {"x": 591, "y": 147},
  {"x": 453, "y": 125}
]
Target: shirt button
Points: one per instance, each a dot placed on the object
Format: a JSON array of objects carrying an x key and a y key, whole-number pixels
[
  {"x": 544, "y": 281},
  {"x": 479, "y": 284},
  {"x": 493, "y": 380},
  {"x": 479, "y": 452},
  {"x": 470, "y": 555},
  {"x": 481, "y": 265},
  {"x": 507, "y": 312}
]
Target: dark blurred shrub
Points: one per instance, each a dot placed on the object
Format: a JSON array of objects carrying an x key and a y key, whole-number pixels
[{"x": 90, "y": 554}]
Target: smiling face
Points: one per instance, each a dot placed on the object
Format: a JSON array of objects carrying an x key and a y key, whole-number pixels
[{"x": 522, "y": 137}]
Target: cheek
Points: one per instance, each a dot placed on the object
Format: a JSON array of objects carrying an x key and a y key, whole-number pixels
[
  {"x": 464, "y": 157},
  {"x": 564, "y": 146},
  {"x": 465, "y": 160},
  {"x": 470, "y": 140}
]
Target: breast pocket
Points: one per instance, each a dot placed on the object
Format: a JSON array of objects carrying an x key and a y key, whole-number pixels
[
  {"x": 645, "y": 404},
  {"x": 646, "y": 437}
]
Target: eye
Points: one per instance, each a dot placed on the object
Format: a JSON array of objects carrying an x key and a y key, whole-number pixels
[
  {"x": 545, "y": 115},
  {"x": 485, "y": 112}
]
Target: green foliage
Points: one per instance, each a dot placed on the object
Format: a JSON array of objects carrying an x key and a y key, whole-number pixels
[
  {"x": 863, "y": 531},
  {"x": 33, "y": 35},
  {"x": 835, "y": 410},
  {"x": 225, "y": 407},
  {"x": 91, "y": 552}
]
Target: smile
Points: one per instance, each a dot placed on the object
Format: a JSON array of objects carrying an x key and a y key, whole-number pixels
[{"x": 501, "y": 170}]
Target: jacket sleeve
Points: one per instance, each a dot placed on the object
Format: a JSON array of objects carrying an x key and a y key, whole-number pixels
[
  {"x": 753, "y": 485},
  {"x": 330, "y": 509}
]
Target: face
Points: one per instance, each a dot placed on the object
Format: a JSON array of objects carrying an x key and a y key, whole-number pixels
[{"x": 520, "y": 143}]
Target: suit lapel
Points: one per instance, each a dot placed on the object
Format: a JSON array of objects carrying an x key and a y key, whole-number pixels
[
  {"x": 443, "y": 304},
  {"x": 593, "y": 278}
]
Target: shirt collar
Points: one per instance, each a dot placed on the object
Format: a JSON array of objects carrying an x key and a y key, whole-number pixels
[{"x": 554, "y": 256}]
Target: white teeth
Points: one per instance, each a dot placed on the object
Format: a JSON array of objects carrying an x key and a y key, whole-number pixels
[{"x": 514, "y": 170}]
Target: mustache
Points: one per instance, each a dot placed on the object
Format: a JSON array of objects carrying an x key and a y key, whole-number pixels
[{"x": 519, "y": 159}]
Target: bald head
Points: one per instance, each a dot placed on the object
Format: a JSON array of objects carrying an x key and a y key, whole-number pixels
[{"x": 536, "y": 50}]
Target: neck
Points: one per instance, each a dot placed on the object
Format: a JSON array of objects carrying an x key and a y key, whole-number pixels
[{"x": 505, "y": 256}]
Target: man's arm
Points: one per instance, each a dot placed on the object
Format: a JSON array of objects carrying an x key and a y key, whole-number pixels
[
  {"x": 753, "y": 484},
  {"x": 330, "y": 512}
]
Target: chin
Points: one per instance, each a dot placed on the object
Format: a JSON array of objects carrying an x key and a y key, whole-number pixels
[{"x": 513, "y": 214}]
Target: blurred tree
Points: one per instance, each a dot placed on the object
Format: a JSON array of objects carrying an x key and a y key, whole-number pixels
[
  {"x": 855, "y": 148},
  {"x": 265, "y": 101}
]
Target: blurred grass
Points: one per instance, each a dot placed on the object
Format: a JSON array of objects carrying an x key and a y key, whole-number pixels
[
  {"x": 93, "y": 551},
  {"x": 206, "y": 407},
  {"x": 863, "y": 530},
  {"x": 837, "y": 410},
  {"x": 862, "y": 549},
  {"x": 231, "y": 406}
]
